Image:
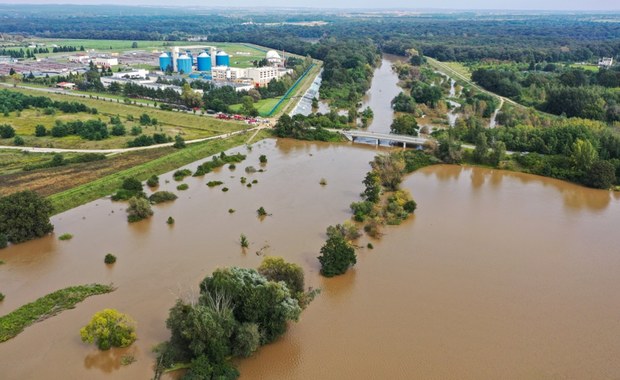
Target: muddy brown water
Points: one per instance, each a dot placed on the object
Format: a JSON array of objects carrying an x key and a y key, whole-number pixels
[
  {"x": 498, "y": 275},
  {"x": 383, "y": 88}
]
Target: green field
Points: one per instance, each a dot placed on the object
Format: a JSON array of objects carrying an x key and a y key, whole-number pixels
[
  {"x": 459, "y": 68},
  {"x": 587, "y": 67},
  {"x": 263, "y": 106},
  {"x": 172, "y": 123}
]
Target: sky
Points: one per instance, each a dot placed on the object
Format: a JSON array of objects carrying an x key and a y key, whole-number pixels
[{"x": 561, "y": 5}]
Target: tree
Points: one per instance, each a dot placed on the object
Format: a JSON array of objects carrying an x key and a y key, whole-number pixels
[
  {"x": 336, "y": 256},
  {"x": 498, "y": 153},
  {"x": 109, "y": 328},
  {"x": 583, "y": 155},
  {"x": 449, "y": 150},
  {"x": 118, "y": 130},
  {"x": 139, "y": 208},
  {"x": 276, "y": 269},
  {"x": 246, "y": 340},
  {"x": 403, "y": 103},
  {"x": 372, "y": 181},
  {"x": 134, "y": 45},
  {"x": 18, "y": 141},
  {"x": 190, "y": 98},
  {"x": 6, "y": 131},
  {"x": 24, "y": 216},
  {"x": 405, "y": 125},
  {"x": 390, "y": 169},
  {"x": 481, "y": 152},
  {"x": 602, "y": 175},
  {"x": 247, "y": 106}
]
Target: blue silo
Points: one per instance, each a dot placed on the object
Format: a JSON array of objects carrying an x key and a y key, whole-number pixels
[
  {"x": 165, "y": 61},
  {"x": 184, "y": 64},
  {"x": 204, "y": 62},
  {"x": 222, "y": 59}
]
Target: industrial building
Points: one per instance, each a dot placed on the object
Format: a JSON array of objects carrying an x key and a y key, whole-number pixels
[
  {"x": 105, "y": 62},
  {"x": 184, "y": 62}
]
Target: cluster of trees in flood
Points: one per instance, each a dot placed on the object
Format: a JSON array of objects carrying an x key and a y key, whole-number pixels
[
  {"x": 11, "y": 101},
  {"x": 237, "y": 311}
]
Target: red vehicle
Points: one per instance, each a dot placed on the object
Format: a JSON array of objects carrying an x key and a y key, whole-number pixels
[
  {"x": 238, "y": 117},
  {"x": 222, "y": 116}
]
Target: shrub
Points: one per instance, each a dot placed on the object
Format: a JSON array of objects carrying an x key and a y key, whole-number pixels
[
  {"x": 232, "y": 166},
  {"x": 243, "y": 180},
  {"x": 182, "y": 187},
  {"x": 1, "y": 297},
  {"x": 254, "y": 182},
  {"x": 40, "y": 131},
  {"x": 250, "y": 169},
  {"x": 170, "y": 220},
  {"x": 262, "y": 159},
  {"x": 65, "y": 237},
  {"x": 323, "y": 182},
  {"x": 135, "y": 131},
  {"x": 370, "y": 246},
  {"x": 179, "y": 143},
  {"x": 18, "y": 141},
  {"x": 6, "y": 131},
  {"x": 162, "y": 196},
  {"x": 109, "y": 259},
  {"x": 224, "y": 189},
  {"x": 109, "y": 328},
  {"x": 132, "y": 184},
  {"x": 153, "y": 181},
  {"x": 4, "y": 241},
  {"x": 179, "y": 175},
  {"x": 248, "y": 185},
  {"x": 118, "y": 130},
  {"x": 139, "y": 208},
  {"x": 261, "y": 211},
  {"x": 231, "y": 210},
  {"x": 214, "y": 183},
  {"x": 243, "y": 240}
]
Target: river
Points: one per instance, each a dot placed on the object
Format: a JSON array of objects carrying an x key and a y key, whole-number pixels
[{"x": 498, "y": 274}]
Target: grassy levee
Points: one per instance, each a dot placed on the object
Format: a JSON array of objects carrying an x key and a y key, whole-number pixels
[
  {"x": 47, "y": 306},
  {"x": 107, "y": 185}
]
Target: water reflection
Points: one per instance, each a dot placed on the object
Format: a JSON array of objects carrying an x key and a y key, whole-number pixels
[{"x": 110, "y": 360}]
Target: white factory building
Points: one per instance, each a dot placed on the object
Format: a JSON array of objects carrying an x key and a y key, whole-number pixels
[
  {"x": 105, "y": 62},
  {"x": 258, "y": 76}
]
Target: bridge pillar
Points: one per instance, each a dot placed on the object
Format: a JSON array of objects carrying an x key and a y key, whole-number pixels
[
  {"x": 377, "y": 143},
  {"x": 404, "y": 145}
]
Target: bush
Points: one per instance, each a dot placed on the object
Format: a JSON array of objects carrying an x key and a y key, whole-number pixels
[
  {"x": 250, "y": 169},
  {"x": 1, "y": 297},
  {"x": 370, "y": 246},
  {"x": 18, "y": 141},
  {"x": 109, "y": 328},
  {"x": 230, "y": 211},
  {"x": 162, "y": 196},
  {"x": 109, "y": 259},
  {"x": 336, "y": 256},
  {"x": 132, "y": 184},
  {"x": 170, "y": 220},
  {"x": 4, "y": 241},
  {"x": 243, "y": 240},
  {"x": 224, "y": 189},
  {"x": 261, "y": 211},
  {"x": 214, "y": 183},
  {"x": 153, "y": 181},
  {"x": 40, "y": 131},
  {"x": 139, "y": 208},
  {"x": 323, "y": 182},
  {"x": 179, "y": 143},
  {"x": 262, "y": 159},
  {"x": 135, "y": 131},
  {"x": 182, "y": 187},
  {"x": 65, "y": 237},
  {"x": 6, "y": 131},
  {"x": 118, "y": 130},
  {"x": 179, "y": 175},
  {"x": 24, "y": 216}
]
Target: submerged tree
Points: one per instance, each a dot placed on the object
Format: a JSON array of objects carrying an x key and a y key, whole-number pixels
[
  {"x": 109, "y": 328},
  {"x": 337, "y": 256}
]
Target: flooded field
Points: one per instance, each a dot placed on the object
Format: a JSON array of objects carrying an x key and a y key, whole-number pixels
[{"x": 498, "y": 275}]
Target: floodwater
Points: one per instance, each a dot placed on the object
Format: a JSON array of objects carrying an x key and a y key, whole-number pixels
[
  {"x": 383, "y": 88},
  {"x": 498, "y": 274}
]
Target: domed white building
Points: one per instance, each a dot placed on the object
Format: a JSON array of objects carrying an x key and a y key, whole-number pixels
[{"x": 273, "y": 57}]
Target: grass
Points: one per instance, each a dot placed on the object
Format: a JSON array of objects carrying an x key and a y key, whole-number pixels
[
  {"x": 263, "y": 106},
  {"x": 16, "y": 321},
  {"x": 13, "y": 161},
  {"x": 107, "y": 185},
  {"x": 459, "y": 68},
  {"x": 188, "y": 125},
  {"x": 65, "y": 237}
]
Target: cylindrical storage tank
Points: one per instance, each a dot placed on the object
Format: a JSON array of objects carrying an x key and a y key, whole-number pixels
[
  {"x": 165, "y": 61},
  {"x": 184, "y": 64},
  {"x": 204, "y": 62},
  {"x": 222, "y": 59}
]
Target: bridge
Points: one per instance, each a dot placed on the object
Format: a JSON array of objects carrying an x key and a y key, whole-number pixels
[{"x": 354, "y": 135}]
